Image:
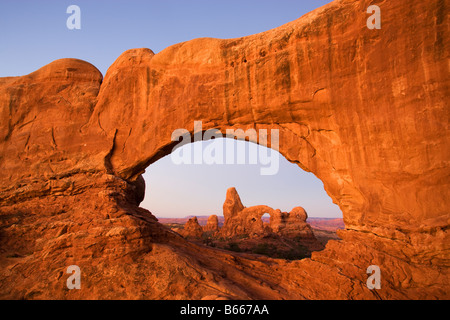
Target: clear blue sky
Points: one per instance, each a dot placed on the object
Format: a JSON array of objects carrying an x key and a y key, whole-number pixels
[{"x": 34, "y": 33}]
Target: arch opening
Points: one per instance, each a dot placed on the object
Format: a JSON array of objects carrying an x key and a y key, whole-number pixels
[
  {"x": 191, "y": 197},
  {"x": 266, "y": 218}
]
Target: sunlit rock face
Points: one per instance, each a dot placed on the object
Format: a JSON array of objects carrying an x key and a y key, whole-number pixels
[
  {"x": 240, "y": 220},
  {"x": 212, "y": 225},
  {"x": 365, "y": 110}
]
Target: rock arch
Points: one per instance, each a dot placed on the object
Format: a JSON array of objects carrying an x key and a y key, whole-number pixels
[
  {"x": 366, "y": 117},
  {"x": 247, "y": 222}
]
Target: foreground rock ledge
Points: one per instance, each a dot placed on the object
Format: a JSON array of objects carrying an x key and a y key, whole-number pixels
[{"x": 365, "y": 110}]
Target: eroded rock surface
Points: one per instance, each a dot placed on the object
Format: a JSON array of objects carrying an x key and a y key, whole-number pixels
[
  {"x": 243, "y": 221},
  {"x": 192, "y": 229},
  {"x": 365, "y": 110},
  {"x": 212, "y": 225},
  {"x": 247, "y": 223}
]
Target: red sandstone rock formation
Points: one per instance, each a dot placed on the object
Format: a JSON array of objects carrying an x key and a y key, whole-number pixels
[
  {"x": 232, "y": 205},
  {"x": 292, "y": 224},
  {"x": 212, "y": 224},
  {"x": 242, "y": 221},
  {"x": 365, "y": 110},
  {"x": 192, "y": 229}
]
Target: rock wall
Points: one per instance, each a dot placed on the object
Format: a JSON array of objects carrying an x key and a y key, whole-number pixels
[{"x": 365, "y": 110}]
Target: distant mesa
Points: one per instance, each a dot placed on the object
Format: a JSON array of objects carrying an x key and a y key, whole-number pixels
[{"x": 366, "y": 111}]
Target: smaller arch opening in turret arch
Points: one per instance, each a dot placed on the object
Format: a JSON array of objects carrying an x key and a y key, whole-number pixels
[{"x": 266, "y": 217}]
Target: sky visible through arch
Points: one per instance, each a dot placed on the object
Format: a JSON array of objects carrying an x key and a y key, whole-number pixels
[
  {"x": 34, "y": 33},
  {"x": 180, "y": 190}
]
